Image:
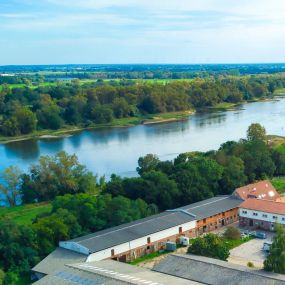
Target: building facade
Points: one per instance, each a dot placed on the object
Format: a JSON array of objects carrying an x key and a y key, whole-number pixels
[{"x": 261, "y": 214}]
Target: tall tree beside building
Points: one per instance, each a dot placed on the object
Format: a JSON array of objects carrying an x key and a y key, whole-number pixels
[{"x": 275, "y": 261}]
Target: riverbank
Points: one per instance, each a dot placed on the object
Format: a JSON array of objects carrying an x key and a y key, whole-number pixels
[{"x": 116, "y": 123}]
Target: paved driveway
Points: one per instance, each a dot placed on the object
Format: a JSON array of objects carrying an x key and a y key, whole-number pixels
[{"x": 250, "y": 251}]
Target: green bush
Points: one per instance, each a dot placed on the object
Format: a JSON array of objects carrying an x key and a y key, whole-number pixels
[
  {"x": 250, "y": 264},
  {"x": 210, "y": 245},
  {"x": 232, "y": 233}
]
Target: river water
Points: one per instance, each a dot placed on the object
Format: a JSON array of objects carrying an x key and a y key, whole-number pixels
[{"x": 116, "y": 150}]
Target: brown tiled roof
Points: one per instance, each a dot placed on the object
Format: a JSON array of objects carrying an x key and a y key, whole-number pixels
[
  {"x": 264, "y": 206},
  {"x": 261, "y": 190}
]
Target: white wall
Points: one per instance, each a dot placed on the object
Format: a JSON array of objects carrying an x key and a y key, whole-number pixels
[
  {"x": 97, "y": 256},
  {"x": 260, "y": 216}
]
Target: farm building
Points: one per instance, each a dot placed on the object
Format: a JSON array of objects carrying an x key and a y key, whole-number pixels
[
  {"x": 135, "y": 239},
  {"x": 261, "y": 214},
  {"x": 260, "y": 190}
]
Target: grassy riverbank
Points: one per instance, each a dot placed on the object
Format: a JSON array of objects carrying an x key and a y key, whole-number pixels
[
  {"x": 24, "y": 215},
  {"x": 124, "y": 122}
]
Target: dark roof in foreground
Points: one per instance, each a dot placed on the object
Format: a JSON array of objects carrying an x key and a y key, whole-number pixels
[
  {"x": 109, "y": 272},
  {"x": 143, "y": 227},
  {"x": 215, "y": 272},
  {"x": 57, "y": 259}
]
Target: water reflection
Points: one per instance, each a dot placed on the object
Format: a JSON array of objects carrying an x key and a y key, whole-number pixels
[
  {"x": 23, "y": 149},
  {"x": 116, "y": 150}
]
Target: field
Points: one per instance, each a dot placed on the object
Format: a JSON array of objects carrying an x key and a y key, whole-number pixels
[
  {"x": 279, "y": 91},
  {"x": 279, "y": 184},
  {"x": 24, "y": 215}
]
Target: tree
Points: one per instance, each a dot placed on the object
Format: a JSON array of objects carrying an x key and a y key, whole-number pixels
[
  {"x": 160, "y": 190},
  {"x": 2, "y": 277},
  {"x": 232, "y": 233},
  {"x": 17, "y": 247},
  {"x": 10, "y": 187},
  {"x": 27, "y": 120},
  {"x": 49, "y": 117},
  {"x": 57, "y": 175},
  {"x": 147, "y": 163},
  {"x": 102, "y": 114},
  {"x": 210, "y": 245},
  {"x": 256, "y": 132},
  {"x": 275, "y": 261}
]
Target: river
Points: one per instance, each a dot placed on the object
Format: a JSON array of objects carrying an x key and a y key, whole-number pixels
[{"x": 116, "y": 150}]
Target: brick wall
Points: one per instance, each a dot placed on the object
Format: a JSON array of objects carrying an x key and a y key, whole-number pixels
[
  {"x": 217, "y": 221},
  {"x": 256, "y": 224}
]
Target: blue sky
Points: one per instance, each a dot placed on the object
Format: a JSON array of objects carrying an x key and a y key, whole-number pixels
[{"x": 141, "y": 31}]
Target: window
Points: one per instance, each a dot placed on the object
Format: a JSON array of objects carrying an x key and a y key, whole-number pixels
[
  {"x": 148, "y": 240},
  {"x": 180, "y": 230},
  {"x": 264, "y": 216},
  {"x": 204, "y": 220},
  {"x": 244, "y": 212},
  {"x": 112, "y": 252},
  {"x": 274, "y": 217},
  {"x": 255, "y": 214},
  {"x": 283, "y": 219},
  {"x": 223, "y": 214}
]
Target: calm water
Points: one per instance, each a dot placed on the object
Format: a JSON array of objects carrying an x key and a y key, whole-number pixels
[{"x": 117, "y": 150}]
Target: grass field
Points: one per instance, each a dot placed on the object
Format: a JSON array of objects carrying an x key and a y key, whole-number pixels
[
  {"x": 148, "y": 257},
  {"x": 223, "y": 106},
  {"x": 24, "y": 215},
  {"x": 279, "y": 91},
  {"x": 279, "y": 184}
]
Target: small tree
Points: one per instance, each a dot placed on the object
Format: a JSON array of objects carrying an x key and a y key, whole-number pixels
[
  {"x": 210, "y": 245},
  {"x": 256, "y": 132},
  {"x": 11, "y": 181},
  {"x": 276, "y": 259},
  {"x": 232, "y": 233},
  {"x": 2, "y": 277}
]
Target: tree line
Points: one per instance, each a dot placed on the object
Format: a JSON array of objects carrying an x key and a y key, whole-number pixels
[
  {"x": 81, "y": 202},
  {"x": 25, "y": 110}
]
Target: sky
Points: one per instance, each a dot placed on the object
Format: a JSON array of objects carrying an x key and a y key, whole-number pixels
[{"x": 141, "y": 31}]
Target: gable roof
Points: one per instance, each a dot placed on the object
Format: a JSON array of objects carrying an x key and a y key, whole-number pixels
[
  {"x": 215, "y": 272},
  {"x": 127, "y": 232},
  {"x": 264, "y": 206},
  {"x": 212, "y": 206},
  {"x": 262, "y": 190},
  {"x": 57, "y": 259}
]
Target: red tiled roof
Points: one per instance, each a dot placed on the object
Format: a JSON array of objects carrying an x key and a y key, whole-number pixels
[
  {"x": 261, "y": 190},
  {"x": 264, "y": 206}
]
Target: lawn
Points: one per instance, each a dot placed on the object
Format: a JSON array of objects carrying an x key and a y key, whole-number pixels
[
  {"x": 24, "y": 215},
  {"x": 279, "y": 184},
  {"x": 235, "y": 243},
  {"x": 279, "y": 91},
  {"x": 223, "y": 106},
  {"x": 148, "y": 257}
]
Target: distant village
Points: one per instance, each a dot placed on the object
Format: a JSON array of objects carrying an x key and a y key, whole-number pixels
[{"x": 102, "y": 257}]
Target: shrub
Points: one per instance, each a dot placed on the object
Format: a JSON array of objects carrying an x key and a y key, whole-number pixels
[
  {"x": 232, "y": 233},
  {"x": 210, "y": 245},
  {"x": 250, "y": 264}
]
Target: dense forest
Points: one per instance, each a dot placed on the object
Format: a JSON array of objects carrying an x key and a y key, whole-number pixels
[
  {"x": 81, "y": 202},
  {"x": 24, "y": 110}
]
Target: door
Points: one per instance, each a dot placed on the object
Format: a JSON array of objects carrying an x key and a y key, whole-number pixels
[{"x": 251, "y": 223}]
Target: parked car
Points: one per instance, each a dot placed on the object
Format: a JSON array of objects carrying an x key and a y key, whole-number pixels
[
  {"x": 261, "y": 235},
  {"x": 267, "y": 245},
  {"x": 252, "y": 233},
  {"x": 244, "y": 235}
]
